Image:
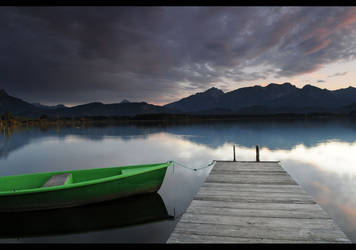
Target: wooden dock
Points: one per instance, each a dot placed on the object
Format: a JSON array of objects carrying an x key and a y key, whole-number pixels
[{"x": 254, "y": 202}]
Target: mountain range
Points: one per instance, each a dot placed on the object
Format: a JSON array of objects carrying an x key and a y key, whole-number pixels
[
  {"x": 256, "y": 100},
  {"x": 274, "y": 98}
]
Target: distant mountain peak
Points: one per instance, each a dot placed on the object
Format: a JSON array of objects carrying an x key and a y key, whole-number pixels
[
  {"x": 214, "y": 92},
  {"x": 286, "y": 84},
  {"x": 125, "y": 101},
  {"x": 39, "y": 105},
  {"x": 309, "y": 86},
  {"x": 214, "y": 89},
  {"x": 60, "y": 106},
  {"x": 3, "y": 92}
]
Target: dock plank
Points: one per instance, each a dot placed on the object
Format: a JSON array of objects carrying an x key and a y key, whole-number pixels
[
  {"x": 254, "y": 202},
  {"x": 275, "y": 213},
  {"x": 255, "y": 232}
]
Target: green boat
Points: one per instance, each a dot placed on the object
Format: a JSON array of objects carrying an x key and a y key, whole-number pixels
[{"x": 51, "y": 190}]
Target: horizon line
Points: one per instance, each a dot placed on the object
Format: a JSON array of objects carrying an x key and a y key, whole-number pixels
[{"x": 161, "y": 105}]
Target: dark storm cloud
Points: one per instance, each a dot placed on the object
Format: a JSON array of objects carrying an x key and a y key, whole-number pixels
[{"x": 82, "y": 54}]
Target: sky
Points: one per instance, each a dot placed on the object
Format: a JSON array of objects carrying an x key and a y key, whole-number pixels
[{"x": 75, "y": 55}]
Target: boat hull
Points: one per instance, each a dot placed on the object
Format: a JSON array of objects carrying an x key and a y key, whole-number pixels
[{"x": 147, "y": 182}]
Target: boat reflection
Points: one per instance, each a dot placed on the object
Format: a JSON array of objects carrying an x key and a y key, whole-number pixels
[{"x": 112, "y": 214}]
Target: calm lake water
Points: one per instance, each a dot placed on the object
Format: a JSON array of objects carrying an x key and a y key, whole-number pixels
[{"x": 319, "y": 155}]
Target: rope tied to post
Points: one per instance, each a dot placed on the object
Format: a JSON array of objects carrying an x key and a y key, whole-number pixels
[{"x": 195, "y": 169}]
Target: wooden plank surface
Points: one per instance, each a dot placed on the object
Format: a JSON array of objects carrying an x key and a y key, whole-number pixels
[{"x": 254, "y": 202}]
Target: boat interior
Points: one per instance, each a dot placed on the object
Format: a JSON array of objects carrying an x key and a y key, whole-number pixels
[{"x": 31, "y": 181}]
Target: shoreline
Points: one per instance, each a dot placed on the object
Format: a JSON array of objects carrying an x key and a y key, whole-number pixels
[{"x": 165, "y": 119}]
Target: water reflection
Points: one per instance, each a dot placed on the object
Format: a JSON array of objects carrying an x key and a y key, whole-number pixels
[
  {"x": 273, "y": 135},
  {"x": 117, "y": 213},
  {"x": 318, "y": 155}
]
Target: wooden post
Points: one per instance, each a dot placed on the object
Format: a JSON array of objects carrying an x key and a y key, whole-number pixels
[
  {"x": 234, "y": 153},
  {"x": 257, "y": 154}
]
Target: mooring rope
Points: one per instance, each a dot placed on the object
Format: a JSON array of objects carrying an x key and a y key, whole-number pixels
[
  {"x": 195, "y": 169},
  {"x": 175, "y": 163}
]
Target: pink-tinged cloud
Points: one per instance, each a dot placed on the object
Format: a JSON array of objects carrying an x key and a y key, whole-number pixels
[
  {"x": 349, "y": 17},
  {"x": 317, "y": 47},
  {"x": 331, "y": 24}
]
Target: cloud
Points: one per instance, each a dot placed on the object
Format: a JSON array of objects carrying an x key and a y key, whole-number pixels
[
  {"x": 82, "y": 54},
  {"x": 338, "y": 74}
]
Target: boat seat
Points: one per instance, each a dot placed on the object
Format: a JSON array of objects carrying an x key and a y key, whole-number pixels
[{"x": 57, "y": 180}]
